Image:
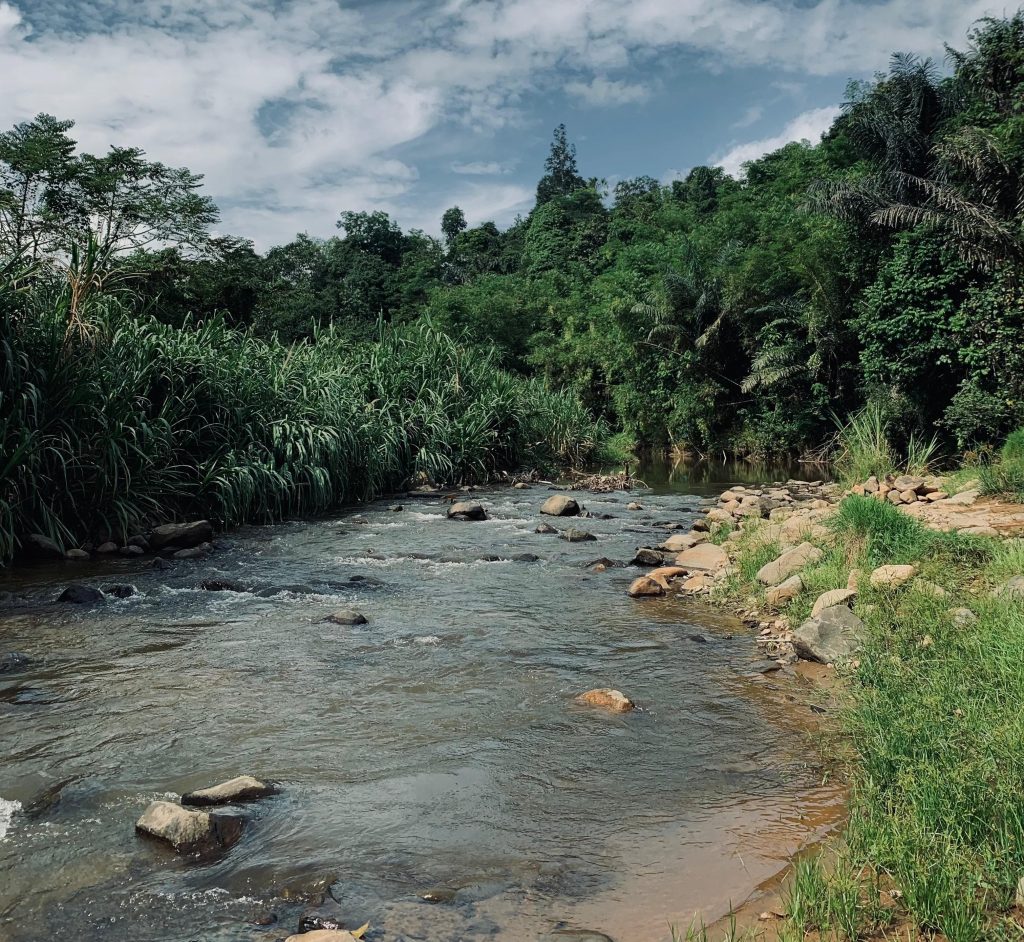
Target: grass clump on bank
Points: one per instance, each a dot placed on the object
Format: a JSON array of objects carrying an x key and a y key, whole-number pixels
[
  {"x": 109, "y": 421},
  {"x": 932, "y": 719}
]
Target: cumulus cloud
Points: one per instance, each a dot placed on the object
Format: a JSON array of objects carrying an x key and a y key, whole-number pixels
[
  {"x": 604, "y": 92},
  {"x": 808, "y": 126},
  {"x": 295, "y": 109}
]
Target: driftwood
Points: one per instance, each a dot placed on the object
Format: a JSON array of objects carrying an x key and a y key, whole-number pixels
[{"x": 605, "y": 483}]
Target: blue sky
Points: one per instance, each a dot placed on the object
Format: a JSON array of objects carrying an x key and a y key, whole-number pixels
[{"x": 297, "y": 109}]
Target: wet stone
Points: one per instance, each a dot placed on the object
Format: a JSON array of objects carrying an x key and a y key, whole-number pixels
[
  {"x": 81, "y": 595},
  {"x": 239, "y": 789},
  {"x": 346, "y": 616},
  {"x": 573, "y": 535},
  {"x": 13, "y": 662}
]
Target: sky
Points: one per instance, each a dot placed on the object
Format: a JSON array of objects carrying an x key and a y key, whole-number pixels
[{"x": 295, "y": 110}]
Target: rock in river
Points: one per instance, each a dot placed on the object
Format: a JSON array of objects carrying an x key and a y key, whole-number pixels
[
  {"x": 577, "y": 536},
  {"x": 467, "y": 510},
  {"x": 346, "y": 616},
  {"x": 607, "y": 699},
  {"x": 242, "y": 788},
  {"x": 13, "y": 662},
  {"x": 81, "y": 595},
  {"x": 324, "y": 935},
  {"x": 189, "y": 831},
  {"x": 545, "y": 528},
  {"x": 182, "y": 535},
  {"x": 558, "y": 505},
  {"x": 37, "y": 546}
]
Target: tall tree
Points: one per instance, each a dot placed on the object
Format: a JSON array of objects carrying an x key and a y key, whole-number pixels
[
  {"x": 561, "y": 176},
  {"x": 452, "y": 223}
]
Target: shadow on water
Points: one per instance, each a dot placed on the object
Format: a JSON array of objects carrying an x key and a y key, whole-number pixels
[
  {"x": 666, "y": 474},
  {"x": 434, "y": 751}
]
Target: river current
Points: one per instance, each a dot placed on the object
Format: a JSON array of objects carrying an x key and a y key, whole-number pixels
[{"x": 435, "y": 750}]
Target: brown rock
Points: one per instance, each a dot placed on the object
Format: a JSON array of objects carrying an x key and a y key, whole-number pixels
[
  {"x": 788, "y": 564},
  {"x": 835, "y": 597},
  {"x": 189, "y": 831},
  {"x": 182, "y": 535},
  {"x": 784, "y": 592},
  {"x": 679, "y": 542},
  {"x": 239, "y": 789},
  {"x": 705, "y": 556},
  {"x": 891, "y": 577},
  {"x": 645, "y": 588},
  {"x": 560, "y": 505},
  {"x": 607, "y": 699}
]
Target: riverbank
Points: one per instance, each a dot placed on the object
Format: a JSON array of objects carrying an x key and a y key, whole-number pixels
[{"x": 915, "y": 604}]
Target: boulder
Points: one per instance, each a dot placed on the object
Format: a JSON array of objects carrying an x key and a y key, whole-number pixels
[
  {"x": 835, "y": 597},
  {"x": 835, "y": 634},
  {"x": 131, "y": 550},
  {"x": 965, "y": 498},
  {"x": 120, "y": 590},
  {"x": 705, "y": 557},
  {"x": 76, "y": 555},
  {"x": 545, "y": 528},
  {"x": 1014, "y": 589},
  {"x": 908, "y": 482},
  {"x": 573, "y": 535},
  {"x": 346, "y": 616},
  {"x": 648, "y": 557},
  {"x": 679, "y": 542},
  {"x": 106, "y": 548},
  {"x": 607, "y": 699},
  {"x": 644, "y": 588},
  {"x": 38, "y": 546},
  {"x": 81, "y": 595},
  {"x": 980, "y": 531},
  {"x": 138, "y": 540},
  {"x": 466, "y": 510},
  {"x": 937, "y": 495},
  {"x": 788, "y": 564},
  {"x": 892, "y": 577},
  {"x": 784, "y": 592},
  {"x": 526, "y": 558},
  {"x": 663, "y": 575},
  {"x": 698, "y": 583},
  {"x": 634, "y": 505},
  {"x": 716, "y": 515},
  {"x": 181, "y": 535},
  {"x": 193, "y": 552},
  {"x": 187, "y": 831},
  {"x": 239, "y": 789},
  {"x": 560, "y": 505}
]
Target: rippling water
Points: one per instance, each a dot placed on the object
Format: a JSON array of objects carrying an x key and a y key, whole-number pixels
[{"x": 436, "y": 748}]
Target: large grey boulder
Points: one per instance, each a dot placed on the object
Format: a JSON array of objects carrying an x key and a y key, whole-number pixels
[
  {"x": 835, "y": 634},
  {"x": 788, "y": 564},
  {"x": 467, "y": 510},
  {"x": 189, "y": 832},
  {"x": 559, "y": 505},
  {"x": 81, "y": 595},
  {"x": 181, "y": 535},
  {"x": 37, "y": 546}
]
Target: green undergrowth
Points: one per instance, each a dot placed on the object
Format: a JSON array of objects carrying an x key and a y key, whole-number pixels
[
  {"x": 109, "y": 421},
  {"x": 934, "y": 727},
  {"x": 1004, "y": 477}
]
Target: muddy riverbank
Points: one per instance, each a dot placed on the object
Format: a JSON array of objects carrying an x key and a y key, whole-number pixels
[{"x": 434, "y": 751}]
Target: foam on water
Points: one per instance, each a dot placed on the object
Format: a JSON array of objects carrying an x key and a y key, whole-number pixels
[{"x": 7, "y": 809}]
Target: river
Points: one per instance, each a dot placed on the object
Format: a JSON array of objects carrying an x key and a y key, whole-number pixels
[{"x": 434, "y": 750}]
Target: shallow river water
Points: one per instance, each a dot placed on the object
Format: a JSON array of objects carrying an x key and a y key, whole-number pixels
[{"x": 436, "y": 749}]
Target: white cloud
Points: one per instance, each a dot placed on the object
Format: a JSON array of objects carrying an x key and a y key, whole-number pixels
[
  {"x": 808, "y": 126},
  {"x": 351, "y": 88},
  {"x": 751, "y": 116},
  {"x": 604, "y": 92},
  {"x": 482, "y": 168}
]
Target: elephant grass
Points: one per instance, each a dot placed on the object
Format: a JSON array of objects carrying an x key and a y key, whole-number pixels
[{"x": 134, "y": 421}]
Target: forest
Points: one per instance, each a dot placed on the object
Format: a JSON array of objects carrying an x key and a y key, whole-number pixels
[{"x": 150, "y": 366}]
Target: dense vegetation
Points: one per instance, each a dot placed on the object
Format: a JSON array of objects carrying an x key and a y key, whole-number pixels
[{"x": 151, "y": 365}]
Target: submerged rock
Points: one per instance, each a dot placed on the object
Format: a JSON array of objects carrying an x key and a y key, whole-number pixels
[
  {"x": 836, "y": 634},
  {"x": 181, "y": 535},
  {"x": 187, "y": 831},
  {"x": 645, "y": 588},
  {"x": 239, "y": 789},
  {"x": 466, "y": 510},
  {"x": 559, "y": 505},
  {"x": 346, "y": 616},
  {"x": 193, "y": 552},
  {"x": 545, "y": 528},
  {"x": 81, "y": 595},
  {"x": 648, "y": 557},
  {"x": 13, "y": 662},
  {"x": 573, "y": 535},
  {"x": 526, "y": 558},
  {"x": 607, "y": 699}
]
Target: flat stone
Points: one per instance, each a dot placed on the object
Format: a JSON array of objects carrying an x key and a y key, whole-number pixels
[
  {"x": 76, "y": 555},
  {"x": 193, "y": 552},
  {"x": 189, "y": 831},
  {"x": 466, "y": 510},
  {"x": 891, "y": 577},
  {"x": 908, "y": 482},
  {"x": 324, "y": 935},
  {"x": 784, "y": 592},
  {"x": 607, "y": 699},
  {"x": 979, "y": 531},
  {"x": 835, "y": 634},
  {"x": 131, "y": 550},
  {"x": 239, "y": 789},
  {"x": 835, "y": 597},
  {"x": 182, "y": 535},
  {"x": 346, "y": 616},
  {"x": 705, "y": 556},
  {"x": 679, "y": 542},
  {"x": 937, "y": 496},
  {"x": 698, "y": 583},
  {"x": 965, "y": 498},
  {"x": 788, "y": 564},
  {"x": 560, "y": 505}
]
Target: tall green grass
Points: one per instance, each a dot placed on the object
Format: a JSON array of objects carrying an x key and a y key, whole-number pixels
[
  {"x": 123, "y": 420},
  {"x": 863, "y": 448},
  {"x": 1005, "y": 476}
]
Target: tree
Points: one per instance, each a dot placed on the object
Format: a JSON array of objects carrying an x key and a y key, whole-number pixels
[
  {"x": 452, "y": 223},
  {"x": 561, "y": 177},
  {"x": 36, "y": 159}
]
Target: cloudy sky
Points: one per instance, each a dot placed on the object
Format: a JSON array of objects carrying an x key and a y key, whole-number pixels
[{"x": 297, "y": 109}]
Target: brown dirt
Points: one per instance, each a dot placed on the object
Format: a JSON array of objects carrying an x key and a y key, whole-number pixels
[{"x": 1006, "y": 518}]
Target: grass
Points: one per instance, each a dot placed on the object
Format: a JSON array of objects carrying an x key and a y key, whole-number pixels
[
  {"x": 125, "y": 421},
  {"x": 1004, "y": 477},
  {"x": 863, "y": 449},
  {"x": 935, "y": 838}
]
